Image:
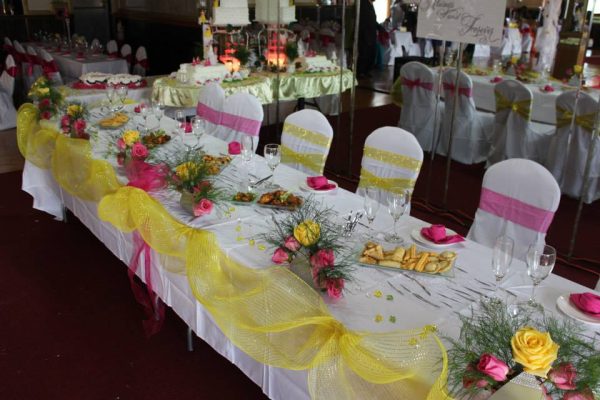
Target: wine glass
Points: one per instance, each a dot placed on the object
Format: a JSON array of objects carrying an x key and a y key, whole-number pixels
[
  {"x": 398, "y": 200},
  {"x": 122, "y": 91},
  {"x": 273, "y": 156},
  {"x": 371, "y": 204},
  {"x": 180, "y": 118},
  {"x": 540, "y": 263},
  {"x": 111, "y": 96},
  {"x": 247, "y": 148},
  {"x": 159, "y": 111},
  {"x": 144, "y": 113},
  {"x": 502, "y": 257}
]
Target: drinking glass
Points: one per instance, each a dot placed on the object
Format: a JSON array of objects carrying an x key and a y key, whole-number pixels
[
  {"x": 111, "y": 96},
  {"x": 159, "y": 111},
  {"x": 540, "y": 263},
  {"x": 502, "y": 257},
  {"x": 398, "y": 200},
  {"x": 247, "y": 148},
  {"x": 180, "y": 118},
  {"x": 371, "y": 204},
  {"x": 273, "y": 156},
  {"x": 144, "y": 113},
  {"x": 122, "y": 91}
]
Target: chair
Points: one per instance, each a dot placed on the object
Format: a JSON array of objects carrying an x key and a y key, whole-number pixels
[
  {"x": 568, "y": 166},
  {"x": 7, "y": 79},
  {"x": 518, "y": 198},
  {"x": 95, "y": 43},
  {"x": 392, "y": 158},
  {"x": 126, "y": 54},
  {"x": 470, "y": 144},
  {"x": 35, "y": 60},
  {"x": 417, "y": 99},
  {"x": 514, "y": 135},
  {"x": 141, "y": 62},
  {"x": 112, "y": 49},
  {"x": 242, "y": 115},
  {"x": 210, "y": 106},
  {"x": 8, "y": 45},
  {"x": 305, "y": 141},
  {"x": 50, "y": 68},
  {"x": 8, "y": 114}
]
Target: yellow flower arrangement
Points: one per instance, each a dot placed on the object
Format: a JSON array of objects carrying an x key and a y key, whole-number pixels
[
  {"x": 307, "y": 233},
  {"x": 185, "y": 170},
  {"x": 130, "y": 137},
  {"x": 73, "y": 110},
  {"x": 534, "y": 350},
  {"x": 43, "y": 91}
]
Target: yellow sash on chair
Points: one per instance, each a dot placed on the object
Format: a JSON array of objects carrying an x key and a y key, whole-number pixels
[
  {"x": 395, "y": 185},
  {"x": 564, "y": 118},
  {"x": 312, "y": 161},
  {"x": 395, "y": 159},
  {"x": 523, "y": 107}
]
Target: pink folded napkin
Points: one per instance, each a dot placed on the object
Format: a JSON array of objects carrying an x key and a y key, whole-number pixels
[
  {"x": 548, "y": 89},
  {"x": 497, "y": 79},
  {"x": 137, "y": 109},
  {"x": 319, "y": 183},
  {"x": 235, "y": 148},
  {"x": 437, "y": 234},
  {"x": 187, "y": 127},
  {"x": 589, "y": 303}
]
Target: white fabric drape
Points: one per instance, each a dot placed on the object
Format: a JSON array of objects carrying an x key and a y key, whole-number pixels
[
  {"x": 242, "y": 105},
  {"x": 7, "y": 82},
  {"x": 547, "y": 37},
  {"x": 213, "y": 97}
]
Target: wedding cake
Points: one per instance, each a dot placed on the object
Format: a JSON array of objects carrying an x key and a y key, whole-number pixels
[
  {"x": 200, "y": 74},
  {"x": 230, "y": 12},
  {"x": 317, "y": 64},
  {"x": 93, "y": 78},
  {"x": 266, "y": 11}
]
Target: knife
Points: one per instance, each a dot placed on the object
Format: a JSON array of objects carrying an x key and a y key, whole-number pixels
[
  {"x": 420, "y": 297},
  {"x": 418, "y": 283},
  {"x": 255, "y": 184}
]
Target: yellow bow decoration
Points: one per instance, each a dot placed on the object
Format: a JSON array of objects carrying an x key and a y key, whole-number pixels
[
  {"x": 564, "y": 118},
  {"x": 315, "y": 138},
  {"x": 395, "y": 185},
  {"x": 398, "y": 160},
  {"x": 313, "y": 161},
  {"x": 523, "y": 107}
]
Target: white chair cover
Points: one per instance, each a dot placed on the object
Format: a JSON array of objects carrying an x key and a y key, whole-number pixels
[
  {"x": 527, "y": 40},
  {"x": 210, "y": 104},
  {"x": 482, "y": 51},
  {"x": 518, "y": 199},
  {"x": 305, "y": 141},
  {"x": 392, "y": 157},
  {"x": 7, "y": 41},
  {"x": 112, "y": 48},
  {"x": 242, "y": 115},
  {"x": 126, "y": 54},
  {"x": 37, "y": 68},
  {"x": 95, "y": 42},
  {"x": 53, "y": 76},
  {"x": 7, "y": 81},
  {"x": 516, "y": 41},
  {"x": 141, "y": 62},
  {"x": 470, "y": 144},
  {"x": 418, "y": 102},
  {"x": 514, "y": 135}
]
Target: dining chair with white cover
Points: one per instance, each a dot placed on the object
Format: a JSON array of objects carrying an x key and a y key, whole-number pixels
[
  {"x": 470, "y": 144},
  {"x": 7, "y": 79},
  {"x": 34, "y": 58},
  {"x": 8, "y": 114},
  {"x": 94, "y": 43},
  {"x": 141, "y": 62},
  {"x": 305, "y": 141},
  {"x": 50, "y": 68},
  {"x": 518, "y": 199},
  {"x": 7, "y": 44},
  {"x": 391, "y": 161},
  {"x": 242, "y": 115},
  {"x": 514, "y": 135},
  {"x": 568, "y": 154},
  {"x": 414, "y": 92},
  {"x": 21, "y": 53},
  {"x": 210, "y": 106},
  {"x": 112, "y": 48},
  {"x": 127, "y": 55}
]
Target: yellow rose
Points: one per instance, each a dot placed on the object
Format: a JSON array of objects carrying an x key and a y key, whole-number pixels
[
  {"x": 183, "y": 171},
  {"x": 534, "y": 350},
  {"x": 44, "y": 90},
  {"x": 130, "y": 137},
  {"x": 73, "y": 109},
  {"x": 307, "y": 233},
  {"x": 578, "y": 69}
]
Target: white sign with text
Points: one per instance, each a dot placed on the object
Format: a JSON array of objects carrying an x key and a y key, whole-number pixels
[{"x": 466, "y": 21}]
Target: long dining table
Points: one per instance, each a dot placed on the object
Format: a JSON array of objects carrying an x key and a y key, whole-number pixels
[{"x": 372, "y": 294}]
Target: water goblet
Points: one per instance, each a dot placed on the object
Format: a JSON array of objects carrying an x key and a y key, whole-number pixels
[
  {"x": 273, "y": 155},
  {"x": 502, "y": 258},
  {"x": 247, "y": 150},
  {"x": 159, "y": 111},
  {"x": 144, "y": 113},
  {"x": 111, "y": 95},
  {"x": 398, "y": 200},
  {"x": 180, "y": 118},
  {"x": 540, "y": 263},
  {"x": 371, "y": 204},
  {"x": 122, "y": 91}
]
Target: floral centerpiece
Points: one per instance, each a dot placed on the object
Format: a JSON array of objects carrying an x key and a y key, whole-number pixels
[
  {"x": 47, "y": 98},
  {"x": 130, "y": 147},
  {"x": 73, "y": 122},
  {"x": 309, "y": 233},
  {"x": 495, "y": 346}
]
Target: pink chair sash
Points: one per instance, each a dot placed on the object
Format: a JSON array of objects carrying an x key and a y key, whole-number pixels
[
  {"x": 49, "y": 67},
  {"x": 417, "y": 83},
  {"x": 516, "y": 211},
  {"x": 468, "y": 92},
  {"x": 12, "y": 71},
  {"x": 143, "y": 63},
  {"x": 234, "y": 122},
  {"x": 113, "y": 54}
]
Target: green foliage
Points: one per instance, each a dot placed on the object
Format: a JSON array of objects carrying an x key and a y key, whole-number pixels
[
  {"x": 291, "y": 51},
  {"x": 241, "y": 53}
]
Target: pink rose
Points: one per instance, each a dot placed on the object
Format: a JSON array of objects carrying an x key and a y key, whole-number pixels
[
  {"x": 292, "y": 244},
  {"x": 46, "y": 115},
  {"x": 139, "y": 151},
  {"x": 79, "y": 126},
  {"x": 493, "y": 367},
  {"x": 472, "y": 378},
  {"x": 203, "y": 207},
  {"x": 121, "y": 144},
  {"x": 335, "y": 288},
  {"x": 44, "y": 103},
  {"x": 280, "y": 256},
  {"x": 320, "y": 260},
  {"x": 65, "y": 121},
  {"x": 563, "y": 376},
  {"x": 585, "y": 394}
]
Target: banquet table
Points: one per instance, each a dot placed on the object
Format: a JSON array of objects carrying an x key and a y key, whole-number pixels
[
  {"x": 263, "y": 86},
  {"x": 93, "y": 97},
  {"x": 72, "y": 68},
  {"x": 237, "y": 230}
]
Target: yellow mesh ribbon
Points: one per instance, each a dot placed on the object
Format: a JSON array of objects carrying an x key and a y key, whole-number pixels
[
  {"x": 308, "y": 136},
  {"x": 398, "y": 160},
  {"x": 564, "y": 118},
  {"x": 312, "y": 161},
  {"x": 523, "y": 107},
  {"x": 396, "y": 92},
  {"x": 395, "y": 185},
  {"x": 277, "y": 319}
]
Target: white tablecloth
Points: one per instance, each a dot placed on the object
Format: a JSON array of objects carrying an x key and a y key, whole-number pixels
[
  {"x": 94, "y": 97},
  {"x": 357, "y": 310}
]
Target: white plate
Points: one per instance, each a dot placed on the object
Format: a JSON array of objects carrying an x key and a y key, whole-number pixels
[
  {"x": 416, "y": 235},
  {"x": 564, "y": 304},
  {"x": 305, "y": 187}
]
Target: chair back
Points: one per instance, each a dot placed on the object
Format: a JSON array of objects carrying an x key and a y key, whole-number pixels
[
  {"x": 50, "y": 68},
  {"x": 414, "y": 92},
  {"x": 392, "y": 158},
  {"x": 518, "y": 198},
  {"x": 112, "y": 48},
  {"x": 141, "y": 62},
  {"x": 7, "y": 78},
  {"x": 305, "y": 141},
  {"x": 127, "y": 55},
  {"x": 210, "y": 106},
  {"x": 242, "y": 115}
]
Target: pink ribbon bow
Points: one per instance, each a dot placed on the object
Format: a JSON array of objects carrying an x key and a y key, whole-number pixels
[
  {"x": 146, "y": 176},
  {"x": 417, "y": 83},
  {"x": 319, "y": 183},
  {"x": 113, "y": 54},
  {"x": 461, "y": 90},
  {"x": 437, "y": 234},
  {"x": 588, "y": 302},
  {"x": 143, "y": 63}
]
